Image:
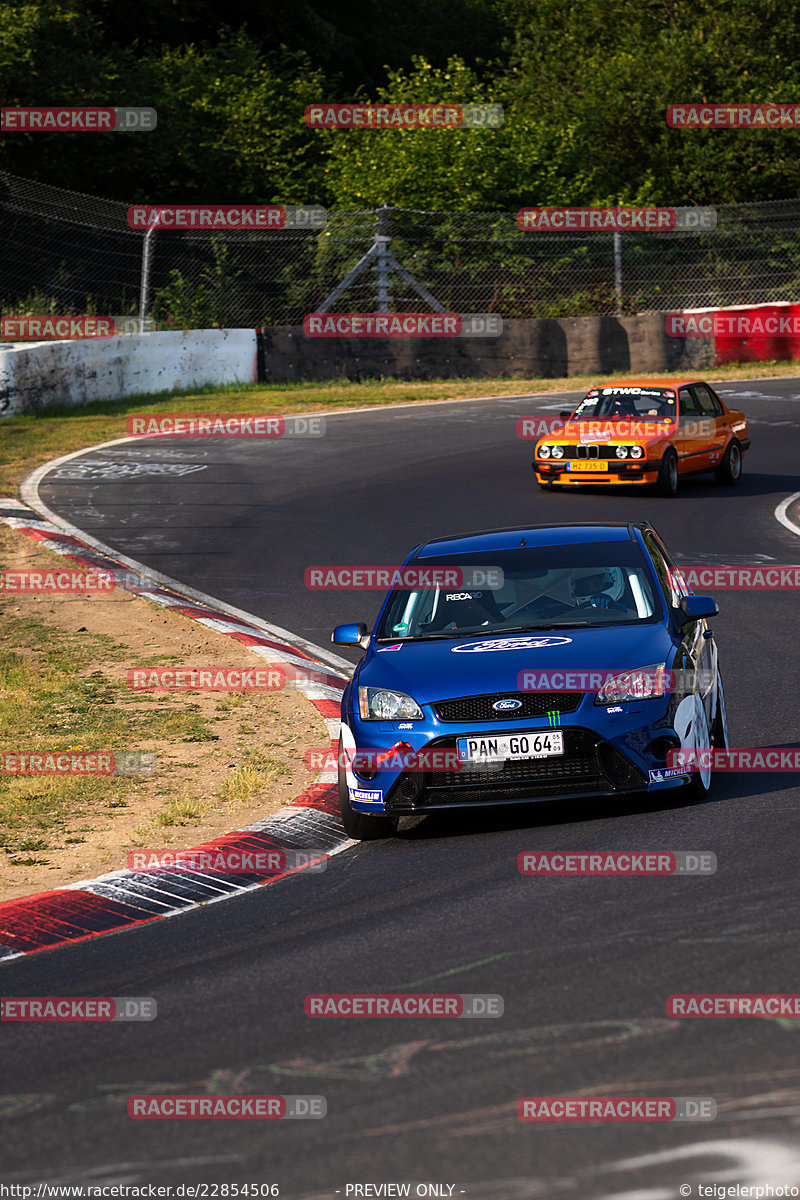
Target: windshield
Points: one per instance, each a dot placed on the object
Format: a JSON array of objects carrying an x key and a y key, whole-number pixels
[
  {"x": 621, "y": 403},
  {"x": 543, "y": 588}
]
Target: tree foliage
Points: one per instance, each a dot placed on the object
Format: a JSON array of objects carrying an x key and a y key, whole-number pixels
[{"x": 584, "y": 85}]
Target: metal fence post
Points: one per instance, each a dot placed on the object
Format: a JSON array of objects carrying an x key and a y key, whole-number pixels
[
  {"x": 382, "y": 295},
  {"x": 618, "y": 271},
  {"x": 145, "y": 282}
]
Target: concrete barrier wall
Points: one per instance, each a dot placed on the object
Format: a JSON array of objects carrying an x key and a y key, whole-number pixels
[
  {"x": 37, "y": 376},
  {"x": 545, "y": 348},
  {"x": 43, "y": 374}
]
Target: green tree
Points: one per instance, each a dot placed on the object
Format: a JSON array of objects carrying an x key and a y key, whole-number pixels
[{"x": 597, "y": 77}]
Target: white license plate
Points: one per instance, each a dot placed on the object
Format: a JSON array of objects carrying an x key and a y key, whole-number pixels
[{"x": 534, "y": 744}]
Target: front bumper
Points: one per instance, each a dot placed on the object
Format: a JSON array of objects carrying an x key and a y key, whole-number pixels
[
  {"x": 589, "y": 766},
  {"x": 643, "y": 472},
  {"x": 609, "y": 760}
]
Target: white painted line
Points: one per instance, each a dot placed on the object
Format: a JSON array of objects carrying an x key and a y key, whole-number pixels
[
  {"x": 782, "y": 513},
  {"x": 29, "y": 490}
]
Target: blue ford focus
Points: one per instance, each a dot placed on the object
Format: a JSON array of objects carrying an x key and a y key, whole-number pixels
[{"x": 552, "y": 662}]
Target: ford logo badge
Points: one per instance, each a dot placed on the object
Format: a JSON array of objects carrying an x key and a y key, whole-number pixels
[{"x": 506, "y": 705}]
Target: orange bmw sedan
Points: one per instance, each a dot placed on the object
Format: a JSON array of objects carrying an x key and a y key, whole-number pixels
[{"x": 646, "y": 432}]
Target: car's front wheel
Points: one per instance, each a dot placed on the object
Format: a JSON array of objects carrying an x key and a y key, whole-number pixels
[
  {"x": 729, "y": 471},
  {"x": 667, "y": 484},
  {"x": 360, "y": 826},
  {"x": 702, "y": 775}
]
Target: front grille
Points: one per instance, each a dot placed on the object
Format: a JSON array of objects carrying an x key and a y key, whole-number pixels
[
  {"x": 512, "y": 794},
  {"x": 593, "y": 450},
  {"x": 534, "y": 704},
  {"x": 579, "y": 761},
  {"x": 589, "y": 764}
]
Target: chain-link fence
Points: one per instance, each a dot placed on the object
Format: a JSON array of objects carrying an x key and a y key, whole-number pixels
[{"x": 65, "y": 252}]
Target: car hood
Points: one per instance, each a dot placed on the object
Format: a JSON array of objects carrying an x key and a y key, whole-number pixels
[{"x": 470, "y": 666}]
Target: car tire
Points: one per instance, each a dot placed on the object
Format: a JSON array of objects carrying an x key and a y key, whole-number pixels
[
  {"x": 719, "y": 731},
  {"x": 360, "y": 826},
  {"x": 703, "y": 778},
  {"x": 546, "y": 487},
  {"x": 729, "y": 471},
  {"x": 667, "y": 483}
]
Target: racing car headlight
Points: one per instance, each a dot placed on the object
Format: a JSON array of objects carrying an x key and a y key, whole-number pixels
[
  {"x": 637, "y": 452},
  {"x": 622, "y": 451},
  {"x": 639, "y": 683},
  {"x": 382, "y": 704},
  {"x": 544, "y": 452},
  {"x": 557, "y": 451}
]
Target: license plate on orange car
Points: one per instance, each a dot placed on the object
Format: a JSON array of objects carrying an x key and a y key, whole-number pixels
[{"x": 592, "y": 464}]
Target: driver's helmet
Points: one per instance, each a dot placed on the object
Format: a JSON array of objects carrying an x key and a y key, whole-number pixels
[{"x": 601, "y": 589}]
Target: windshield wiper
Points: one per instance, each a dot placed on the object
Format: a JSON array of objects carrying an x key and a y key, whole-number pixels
[
  {"x": 570, "y": 624},
  {"x": 489, "y": 631}
]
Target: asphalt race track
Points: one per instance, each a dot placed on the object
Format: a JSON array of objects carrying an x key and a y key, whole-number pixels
[{"x": 585, "y": 965}]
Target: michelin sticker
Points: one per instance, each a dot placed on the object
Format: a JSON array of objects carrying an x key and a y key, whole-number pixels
[
  {"x": 511, "y": 643},
  {"x": 372, "y": 797},
  {"x": 665, "y": 773}
]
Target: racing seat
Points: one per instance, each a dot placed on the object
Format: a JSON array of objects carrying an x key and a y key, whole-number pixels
[{"x": 464, "y": 610}]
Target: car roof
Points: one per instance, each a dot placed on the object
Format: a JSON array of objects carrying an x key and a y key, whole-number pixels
[
  {"x": 664, "y": 383},
  {"x": 559, "y": 534}
]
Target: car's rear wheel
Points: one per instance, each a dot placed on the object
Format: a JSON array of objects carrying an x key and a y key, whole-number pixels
[
  {"x": 667, "y": 483},
  {"x": 361, "y": 826},
  {"x": 729, "y": 471}
]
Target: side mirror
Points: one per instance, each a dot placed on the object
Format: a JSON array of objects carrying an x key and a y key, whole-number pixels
[
  {"x": 697, "y": 608},
  {"x": 353, "y": 634},
  {"x": 566, "y": 414}
]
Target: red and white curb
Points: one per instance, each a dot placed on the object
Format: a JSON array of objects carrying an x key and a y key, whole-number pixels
[{"x": 124, "y": 898}]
